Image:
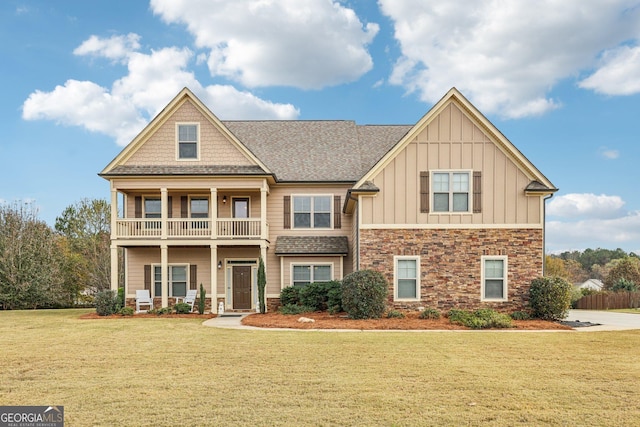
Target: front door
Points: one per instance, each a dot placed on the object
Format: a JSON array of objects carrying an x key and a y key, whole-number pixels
[{"x": 241, "y": 287}]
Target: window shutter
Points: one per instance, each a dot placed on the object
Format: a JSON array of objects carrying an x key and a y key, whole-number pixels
[
  {"x": 138, "y": 207},
  {"x": 170, "y": 207},
  {"x": 147, "y": 278},
  {"x": 337, "y": 212},
  {"x": 287, "y": 212},
  {"x": 193, "y": 276},
  {"x": 424, "y": 192},
  {"x": 184, "y": 207},
  {"x": 477, "y": 192}
]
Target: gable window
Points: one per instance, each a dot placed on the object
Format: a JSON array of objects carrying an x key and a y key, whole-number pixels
[
  {"x": 177, "y": 280},
  {"x": 494, "y": 278},
  {"x": 188, "y": 141},
  {"x": 306, "y": 274},
  {"x": 451, "y": 191},
  {"x": 312, "y": 211},
  {"x": 406, "y": 278}
]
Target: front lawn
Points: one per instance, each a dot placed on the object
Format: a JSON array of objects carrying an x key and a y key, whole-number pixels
[{"x": 163, "y": 371}]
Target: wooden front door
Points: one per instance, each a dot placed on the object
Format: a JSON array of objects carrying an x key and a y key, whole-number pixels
[{"x": 241, "y": 287}]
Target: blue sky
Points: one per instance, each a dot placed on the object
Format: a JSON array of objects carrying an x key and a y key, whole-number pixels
[{"x": 562, "y": 82}]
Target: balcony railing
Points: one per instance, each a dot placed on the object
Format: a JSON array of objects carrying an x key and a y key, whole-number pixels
[{"x": 225, "y": 228}]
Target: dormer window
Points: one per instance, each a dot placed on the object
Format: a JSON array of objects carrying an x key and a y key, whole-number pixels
[{"x": 188, "y": 141}]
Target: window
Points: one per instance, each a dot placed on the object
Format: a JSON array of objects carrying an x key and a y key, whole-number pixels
[
  {"x": 451, "y": 191},
  {"x": 306, "y": 274},
  {"x": 177, "y": 280},
  {"x": 152, "y": 208},
  {"x": 199, "y": 208},
  {"x": 312, "y": 211},
  {"x": 407, "y": 283},
  {"x": 494, "y": 278},
  {"x": 188, "y": 141}
]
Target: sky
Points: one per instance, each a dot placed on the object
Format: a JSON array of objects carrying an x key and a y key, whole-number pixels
[{"x": 559, "y": 78}]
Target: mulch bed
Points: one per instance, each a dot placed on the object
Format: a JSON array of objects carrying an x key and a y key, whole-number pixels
[
  {"x": 95, "y": 315},
  {"x": 324, "y": 320}
]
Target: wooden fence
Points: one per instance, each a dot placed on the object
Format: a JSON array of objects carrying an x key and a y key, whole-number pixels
[{"x": 609, "y": 301}]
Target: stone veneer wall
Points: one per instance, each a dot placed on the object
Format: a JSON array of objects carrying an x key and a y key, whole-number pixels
[{"x": 450, "y": 263}]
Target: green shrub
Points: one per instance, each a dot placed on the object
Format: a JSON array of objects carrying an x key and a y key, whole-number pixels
[
  {"x": 161, "y": 311},
  {"x": 429, "y": 313},
  {"x": 322, "y": 296},
  {"x": 107, "y": 303},
  {"x": 395, "y": 314},
  {"x": 624, "y": 285},
  {"x": 550, "y": 298},
  {"x": 201, "y": 301},
  {"x": 364, "y": 294},
  {"x": 121, "y": 301},
  {"x": 295, "y": 309},
  {"x": 290, "y": 295},
  {"x": 126, "y": 311},
  {"x": 520, "y": 315},
  {"x": 182, "y": 308},
  {"x": 334, "y": 297},
  {"x": 484, "y": 318}
]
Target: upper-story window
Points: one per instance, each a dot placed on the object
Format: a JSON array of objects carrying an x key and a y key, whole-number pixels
[
  {"x": 188, "y": 141},
  {"x": 311, "y": 211},
  {"x": 450, "y": 191},
  {"x": 152, "y": 207},
  {"x": 199, "y": 207}
]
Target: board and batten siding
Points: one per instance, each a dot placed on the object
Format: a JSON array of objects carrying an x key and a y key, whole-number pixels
[{"x": 452, "y": 142}]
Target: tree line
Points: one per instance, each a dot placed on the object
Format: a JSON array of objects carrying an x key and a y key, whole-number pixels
[{"x": 42, "y": 266}]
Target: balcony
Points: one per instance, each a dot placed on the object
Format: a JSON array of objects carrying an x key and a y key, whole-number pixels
[{"x": 189, "y": 228}]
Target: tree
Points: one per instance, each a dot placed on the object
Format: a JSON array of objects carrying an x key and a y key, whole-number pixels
[
  {"x": 555, "y": 267},
  {"x": 86, "y": 227},
  {"x": 626, "y": 268},
  {"x": 29, "y": 260},
  {"x": 262, "y": 282}
]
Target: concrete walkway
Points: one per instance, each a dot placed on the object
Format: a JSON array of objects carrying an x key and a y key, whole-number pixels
[{"x": 605, "y": 320}]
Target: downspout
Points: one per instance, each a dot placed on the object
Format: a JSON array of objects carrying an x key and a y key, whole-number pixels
[
  {"x": 357, "y": 225},
  {"x": 544, "y": 231}
]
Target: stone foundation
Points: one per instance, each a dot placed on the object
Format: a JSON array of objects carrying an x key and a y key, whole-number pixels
[{"x": 450, "y": 263}]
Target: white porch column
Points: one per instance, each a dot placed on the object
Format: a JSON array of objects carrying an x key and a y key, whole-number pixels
[
  {"x": 164, "y": 213},
  {"x": 114, "y": 212},
  {"x": 114, "y": 268},
  {"x": 263, "y": 254},
  {"x": 214, "y": 278},
  {"x": 263, "y": 212},
  {"x": 164, "y": 266},
  {"x": 214, "y": 214}
]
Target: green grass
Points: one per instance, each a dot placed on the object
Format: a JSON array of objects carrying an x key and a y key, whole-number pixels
[
  {"x": 167, "y": 372},
  {"x": 626, "y": 310}
]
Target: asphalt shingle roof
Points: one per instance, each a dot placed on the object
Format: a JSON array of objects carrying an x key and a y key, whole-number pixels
[
  {"x": 124, "y": 170},
  {"x": 299, "y": 245}
]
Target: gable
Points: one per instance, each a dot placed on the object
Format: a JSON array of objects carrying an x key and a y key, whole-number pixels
[{"x": 157, "y": 144}]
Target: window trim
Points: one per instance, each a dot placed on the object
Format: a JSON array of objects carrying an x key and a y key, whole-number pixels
[
  {"x": 169, "y": 277},
  {"x": 177, "y": 136},
  {"x": 310, "y": 265},
  {"x": 144, "y": 207},
  {"x": 397, "y": 258},
  {"x": 505, "y": 272},
  {"x": 196, "y": 197},
  {"x": 312, "y": 225},
  {"x": 432, "y": 191}
]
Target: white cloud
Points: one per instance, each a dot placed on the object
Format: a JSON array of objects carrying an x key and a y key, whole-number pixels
[
  {"x": 506, "y": 55},
  {"x": 116, "y": 48},
  {"x": 608, "y": 153},
  {"x": 258, "y": 43},
  {"x": 586, "y": 205},
  {"x": 152, "y": 81},
  {"x": 619, "y": 72},
  {"x": 593, "y": 233}
]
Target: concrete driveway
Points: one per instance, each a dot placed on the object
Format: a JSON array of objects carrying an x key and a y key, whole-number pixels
[{"x": 607, "y": 320}]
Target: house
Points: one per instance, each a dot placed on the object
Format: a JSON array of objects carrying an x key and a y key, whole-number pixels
[
  {"x": 447, "y": 209},
  {"x": 592, "y": 284}
]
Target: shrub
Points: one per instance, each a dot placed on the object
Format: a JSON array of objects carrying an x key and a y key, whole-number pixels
[
  {"x": 182, "y": 308},
  {"x": 429, "y": 313},
  {"x": 160, "y": 311},
  {"x": 550, "y": 298},
  {"x": 520, "y": 315},
  {"x": 295, "y": 309},
  {"x": 126, "y": 311},
  {"x": 395, "y": 314},
  {"x": 334, "y": 297},
  {"x": 624, "y": 285},
  {"x": 483, "y": 318},
  {"x": 364, "y": 294},
  {"x": 322, "y": 296},
  {"x": 107, "y": 303},
  {"x": 121, "y": 301},
  {"x": 201, "y": 301},
  {"x": 290, "y": 295}
]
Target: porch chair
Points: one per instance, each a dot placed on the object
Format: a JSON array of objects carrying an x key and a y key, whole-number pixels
[
  {"x": 143, "y": 297},
  {"x": 190, "y": 298}
]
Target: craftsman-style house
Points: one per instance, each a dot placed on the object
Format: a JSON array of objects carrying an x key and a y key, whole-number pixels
[{"x": 447, "y": 209}]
